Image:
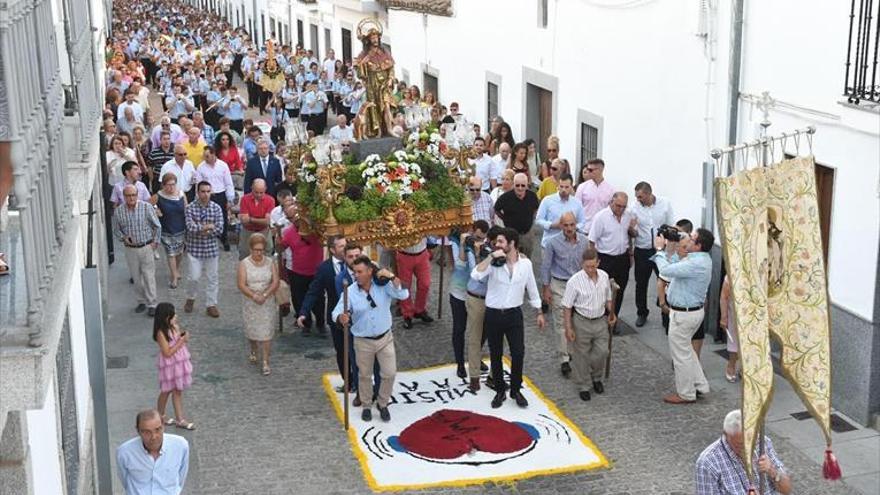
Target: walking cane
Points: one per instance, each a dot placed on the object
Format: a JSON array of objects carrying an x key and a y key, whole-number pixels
[
  {"x": 280, "y": 260},
  {"x": 442, "y": 269},
  {"x": 614, "y": 289},
  {"x": 345, "y": 377}
]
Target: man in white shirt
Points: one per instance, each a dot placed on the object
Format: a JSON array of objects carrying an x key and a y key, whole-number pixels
[
  {"x": 329, "y": 64},
  {"x": 216, "y": 172},
  {"x": 130, "y": 103},
  {"x": 341, "y": 132},
  {"x": 484, "y": 166},
  {"x": 610, "y": 236},
  {"x": 502, "y": 159},
  {"x": 651, "y": 212},
  {"x": 589, "y": 310},
  {"x": 182, "y": 169},
  {"x": 509, "y": 277}
]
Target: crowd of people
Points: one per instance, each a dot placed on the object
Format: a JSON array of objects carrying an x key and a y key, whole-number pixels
[{"x": 198, "y": 173}]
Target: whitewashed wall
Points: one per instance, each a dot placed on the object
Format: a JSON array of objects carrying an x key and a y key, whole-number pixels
[
  {"x": 44, "y": 445},
  {"x": 785, "y": 56}
]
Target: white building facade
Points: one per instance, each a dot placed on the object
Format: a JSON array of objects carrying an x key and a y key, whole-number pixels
[
  {"x": 651, "y": 87},
  {"x": 52, "y": 414}
]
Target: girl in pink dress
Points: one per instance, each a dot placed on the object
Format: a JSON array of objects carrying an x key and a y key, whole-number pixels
[{"x": 173, "y": 361}]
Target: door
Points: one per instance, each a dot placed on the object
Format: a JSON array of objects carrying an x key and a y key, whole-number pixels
[
  {"x": 346, "y": 45},
  {"x": 825, "y": 196},
  {"x": 539, "y": 116},
  {"x": 430, "y": 83},
  {"x": 313, "y": 35},
  {"x": 300, "y": 36},
  {"x": 328, "y": 43}
]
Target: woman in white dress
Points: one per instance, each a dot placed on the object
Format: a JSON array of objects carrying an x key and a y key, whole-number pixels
[
  {"x": 258, "y": 281},
  {"x": 116, "y": 156}
]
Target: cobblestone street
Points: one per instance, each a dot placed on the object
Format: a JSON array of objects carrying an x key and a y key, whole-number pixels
[{"x": 279, "y": 434}]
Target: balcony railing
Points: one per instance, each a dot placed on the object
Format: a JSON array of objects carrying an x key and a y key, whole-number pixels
[
  {"x": 861, "y": 86},
  {"x": 40, "y": 205}
]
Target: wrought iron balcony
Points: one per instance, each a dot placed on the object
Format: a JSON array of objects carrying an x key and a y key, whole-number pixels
[{"x": 861, "y": 86}]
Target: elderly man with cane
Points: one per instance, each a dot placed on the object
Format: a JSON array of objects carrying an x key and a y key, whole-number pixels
[{"x": 369, "y": 312}]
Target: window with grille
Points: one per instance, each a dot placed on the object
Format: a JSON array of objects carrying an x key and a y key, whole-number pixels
[
  {"x": 300, "y": 36},
  {"x": 491, "y": 103},
  {"x": 328, "y": 43},
  {"x": 861, "y": 86},
  {"x": 589, "y": 143}
]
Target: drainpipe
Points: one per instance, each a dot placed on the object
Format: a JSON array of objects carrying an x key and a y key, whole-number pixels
[{"x": 736, "y": 45}]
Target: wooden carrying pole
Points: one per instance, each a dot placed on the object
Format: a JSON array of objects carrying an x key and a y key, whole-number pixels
[
  {"x": 345, "y": 357},
  {"x": 442, "y": 269}
]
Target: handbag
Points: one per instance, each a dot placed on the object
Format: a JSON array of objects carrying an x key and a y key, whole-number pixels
[{"x": 282, "y": 294}]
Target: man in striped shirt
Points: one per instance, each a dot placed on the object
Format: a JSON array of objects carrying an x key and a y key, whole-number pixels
[
  {"x": 586, "y": 302},
  {"x": 159, "y": 156},
  {"x": 136, "y": 225}
]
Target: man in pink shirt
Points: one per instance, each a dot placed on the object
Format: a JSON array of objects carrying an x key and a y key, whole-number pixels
[
  {"x": 595, "y": 193},
  {"x": 307, "y": 253}
]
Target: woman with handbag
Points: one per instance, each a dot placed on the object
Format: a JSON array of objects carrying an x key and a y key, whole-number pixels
[{"x": 258, "y": 281}]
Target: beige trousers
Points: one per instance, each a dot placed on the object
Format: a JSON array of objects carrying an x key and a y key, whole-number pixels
[
  {"x": 142, "y": 267},
  {"x": 557, "y": 288},
  {"x": 365, "y": 351},
  {"x": 527, "y": 242},
  {"x": 589, "y": 350},
  {"x": 689, "y": 377},
  {"x": 476, "y": 311}
]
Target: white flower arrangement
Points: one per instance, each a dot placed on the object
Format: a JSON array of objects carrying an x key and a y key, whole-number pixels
[
  {"x": 307, "y": 173},
  {"x": 400, "y": 178}
]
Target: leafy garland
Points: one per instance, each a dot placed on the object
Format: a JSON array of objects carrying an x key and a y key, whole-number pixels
[{"x": 415, "y": 175}]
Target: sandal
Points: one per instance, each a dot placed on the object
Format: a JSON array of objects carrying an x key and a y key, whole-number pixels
[
  {"x": 252, "y": 358},
  {"x": 186, "y": 425},
  {"x": 169, "y": 421},
  {"x": 173, "y": 284},
  {"x": 4, "y": 266},
  {"x": 266, "y": 370}
]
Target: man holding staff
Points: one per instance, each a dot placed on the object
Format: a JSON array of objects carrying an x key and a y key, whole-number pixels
[{"x": 369, "y": 312}]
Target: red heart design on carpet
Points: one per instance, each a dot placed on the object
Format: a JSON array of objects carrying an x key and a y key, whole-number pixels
[{"x": 451, "y": 433}]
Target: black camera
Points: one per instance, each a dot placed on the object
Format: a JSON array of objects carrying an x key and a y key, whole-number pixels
[
  {"x": 669, "y": 233},
  {"x": 499, "y": 261},
  {"x": 471, "y": 243}
]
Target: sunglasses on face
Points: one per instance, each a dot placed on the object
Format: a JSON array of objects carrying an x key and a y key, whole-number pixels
[
  {"x": 552, "y": 150},
  {"x": 554, "y": 168},
  {"x": 519, "y": 185},
  {"x": 474, "y": 189}
]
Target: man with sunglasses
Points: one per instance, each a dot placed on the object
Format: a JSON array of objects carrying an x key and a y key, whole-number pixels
[
  {"x": 183, "y": 169},
  {"x": 553, "y": 206},
  {"x": 482, "y": 202},
  {"x": 369, "y": 312},
  {"x": 611, "y": 234},
  {"x": 517, "y": 208}
]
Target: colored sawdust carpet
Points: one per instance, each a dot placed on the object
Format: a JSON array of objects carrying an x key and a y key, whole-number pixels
[{"x": 443, "y": 434}]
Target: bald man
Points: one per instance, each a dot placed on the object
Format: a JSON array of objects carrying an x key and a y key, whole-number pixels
[
  {"x": 482, "y": 208},
  {"x": 611, "y": 233},
  {"x": 517, "y": 209},
  {"x": 137, "y": 227},
  {"x": 561, "y": 258},
  {"x": 194, "y": 145},
  {"x": 254, "y": 213}
]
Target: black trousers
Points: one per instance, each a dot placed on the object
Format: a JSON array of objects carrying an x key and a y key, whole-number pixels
[
  {"x": 459, "y": 325},
  {"x": 236, "y": 64},
  {"x": 316, "y": 123},
  {"x": 237, "y": 126},
  {"x": 277, "y": 134},
  {"x": 501, "y": 323},
  {"x": 220, "y": 199},
  {"x": 617, "y": 268},
  {"x": 265, "y": 96},
  {"x": 643, "y": 269},
  {"x": 299, "y": 285},
  {"x": 253, "y": 91}
]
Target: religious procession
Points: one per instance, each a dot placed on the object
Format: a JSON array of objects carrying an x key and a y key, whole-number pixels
[{"x": 314, "y": 251}]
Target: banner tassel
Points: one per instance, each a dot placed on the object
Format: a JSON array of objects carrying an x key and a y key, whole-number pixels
[{"x": 831, "y": 468}]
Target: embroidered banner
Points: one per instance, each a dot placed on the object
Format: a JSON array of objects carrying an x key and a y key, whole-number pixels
[
  {"x": 798, "y": 293},
  {"x": 442, "y": 434},
  {"x": 742, "y": 218}
]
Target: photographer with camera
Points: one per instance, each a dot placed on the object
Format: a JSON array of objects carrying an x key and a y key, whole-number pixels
[
  {"x": 509, "y": 276},
  {"x": 369, "y": 312},
  {"x": 654, "y": 214},
  {"x": 688, "y": 281},
  {"x": 463, "y": 244},
  {"x": 476, "y": 250}
]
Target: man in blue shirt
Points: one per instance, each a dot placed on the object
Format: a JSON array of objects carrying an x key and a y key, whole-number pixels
[
  {"x": 553, "y": 206},
  {"x": 152, "y": 463},
  {"x": 689, "y": 279},
  {"x": 369, "y": 312}
]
